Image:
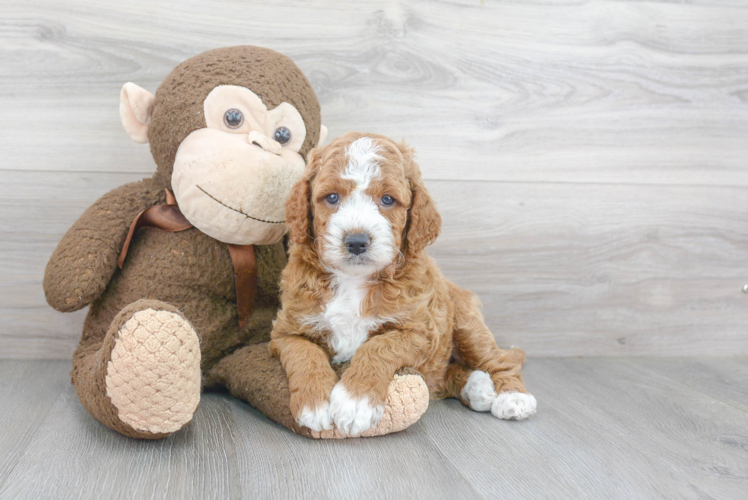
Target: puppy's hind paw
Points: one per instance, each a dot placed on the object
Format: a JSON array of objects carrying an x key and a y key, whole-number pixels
[
  {"x": 514, "y": 405},
  {"x": 479, "y": 391},
  {"x": 317, "y": 419}
]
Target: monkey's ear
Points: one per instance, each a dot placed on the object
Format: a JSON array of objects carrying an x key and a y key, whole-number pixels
[
  {"x": 135, "y": 108},
  {"x": 322, "y": 136}
]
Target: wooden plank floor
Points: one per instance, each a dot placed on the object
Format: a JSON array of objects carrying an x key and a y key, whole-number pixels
[{"x": 606, "y": 428}]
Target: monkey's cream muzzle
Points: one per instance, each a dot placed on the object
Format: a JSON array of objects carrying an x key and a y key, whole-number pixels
[{"x": 233, "y": 187}]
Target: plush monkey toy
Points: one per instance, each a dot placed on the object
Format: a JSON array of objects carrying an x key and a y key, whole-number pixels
[{"x": 181, "y": 270}]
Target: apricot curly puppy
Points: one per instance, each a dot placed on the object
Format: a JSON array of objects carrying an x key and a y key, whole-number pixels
[{"x": 360, "y": 287}]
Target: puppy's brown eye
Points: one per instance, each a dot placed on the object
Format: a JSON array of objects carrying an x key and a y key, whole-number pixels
[
  {"x": 233, "y": 118},
  {"x": 282, "y": 135},
  {"x": 387, "y": 200},
  {"x": 332, "y": 199}
]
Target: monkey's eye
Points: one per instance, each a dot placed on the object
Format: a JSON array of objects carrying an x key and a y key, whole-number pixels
[
  {"x": 332, "y": 198},
  {"x": 282, "y": 135},
  {"x": 387, "y": 200},
  {"x": 233, "y": 118}
]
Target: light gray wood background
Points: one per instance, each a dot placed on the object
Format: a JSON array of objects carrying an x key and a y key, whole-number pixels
[
  {"x": 621, "y": 428},
  {"x": 590, "y": 159}
]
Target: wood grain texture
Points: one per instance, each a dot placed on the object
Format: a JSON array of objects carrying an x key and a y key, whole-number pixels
[
  {"x": 27, "y": 391},
  {"x": 617, "y": 91},
  {"x": 404, "y": 465},
  {"x": 726, "y": 380},
  {"x": 562, "y": 270},
  {"x": 567, "y": 270},
  {"x": 74, "y": 456},
  {"x": 589, "y": 158},
  {"x": 605, "y": 428}
]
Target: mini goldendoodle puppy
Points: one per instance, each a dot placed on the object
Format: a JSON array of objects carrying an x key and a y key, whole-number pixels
[{"x": 360, "y": 287}]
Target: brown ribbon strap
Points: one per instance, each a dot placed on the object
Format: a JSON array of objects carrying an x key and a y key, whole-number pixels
[
  {"x": 169, "y": 218},
  {"x": 245, "y": 274}
]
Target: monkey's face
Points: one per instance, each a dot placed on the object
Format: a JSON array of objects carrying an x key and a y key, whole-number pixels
[
  {"x": 229, "y": 130},
  {"x": 231, "y": 179}
]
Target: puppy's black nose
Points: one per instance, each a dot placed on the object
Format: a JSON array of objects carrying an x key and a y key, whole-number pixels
[{"x": 357, "y": 243}]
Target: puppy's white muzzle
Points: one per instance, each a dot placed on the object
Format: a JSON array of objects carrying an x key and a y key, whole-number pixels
[{"x": 359, "y": 238}]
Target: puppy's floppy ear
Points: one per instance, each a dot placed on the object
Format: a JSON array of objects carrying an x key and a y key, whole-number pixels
[
  {"x": 424, "y": 222},
  {"x": 298, "y": 206}
]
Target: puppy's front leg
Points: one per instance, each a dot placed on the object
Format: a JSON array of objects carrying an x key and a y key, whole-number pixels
[
  {"x": 310, "y": 379},
  {"x": 357, "y": 401}
]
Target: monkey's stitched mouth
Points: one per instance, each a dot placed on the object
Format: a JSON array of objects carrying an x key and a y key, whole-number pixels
[{"x": 236, "y": 210}]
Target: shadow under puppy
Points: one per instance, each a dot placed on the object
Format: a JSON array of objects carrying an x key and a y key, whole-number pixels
[{"x": 360, "y": 287}]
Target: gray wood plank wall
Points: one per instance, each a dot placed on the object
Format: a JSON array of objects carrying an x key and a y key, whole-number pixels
[{"x": 590, "y": 159}]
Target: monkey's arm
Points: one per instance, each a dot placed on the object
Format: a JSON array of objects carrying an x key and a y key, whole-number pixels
[{"x": 85, "y": 259}]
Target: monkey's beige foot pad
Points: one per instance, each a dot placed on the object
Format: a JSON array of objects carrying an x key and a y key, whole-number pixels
[
  {"x": 407, "y": 400},
  {"x": 153, "y": 376}
]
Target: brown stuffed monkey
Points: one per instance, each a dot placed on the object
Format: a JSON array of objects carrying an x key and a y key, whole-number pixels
[{"x": 181, "y": 270}]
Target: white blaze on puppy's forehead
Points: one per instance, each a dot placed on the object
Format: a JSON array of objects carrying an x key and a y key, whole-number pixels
[
  {"x": 359, "y": 213},
  {"x": 363, "y": 161}
]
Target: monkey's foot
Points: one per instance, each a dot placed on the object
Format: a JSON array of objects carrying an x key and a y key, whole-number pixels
[
  {"x": 153, "y": 375},
  {"x": 407, "y": 400}
]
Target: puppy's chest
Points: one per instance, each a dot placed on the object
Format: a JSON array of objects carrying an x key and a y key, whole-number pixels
[{"x": 342, "y": 321}]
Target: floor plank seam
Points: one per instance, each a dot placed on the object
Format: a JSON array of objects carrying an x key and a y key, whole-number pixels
[
  {"x": 32, "y": 436},
  {"x": 433, "y": 179},
  {"x": 688, "y": 388},
  {"x": 452, "y": 465}
]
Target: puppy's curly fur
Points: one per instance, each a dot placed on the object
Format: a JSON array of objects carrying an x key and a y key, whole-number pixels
[{"x": 389, "y": 310}]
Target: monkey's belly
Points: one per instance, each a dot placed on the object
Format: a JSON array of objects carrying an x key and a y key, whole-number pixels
[{"x": 194, "y": 273}]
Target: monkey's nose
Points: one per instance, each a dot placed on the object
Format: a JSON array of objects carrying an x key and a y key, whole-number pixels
[
  {"x": 357, "y": 243},
  {"x": 264, "y": 142}
]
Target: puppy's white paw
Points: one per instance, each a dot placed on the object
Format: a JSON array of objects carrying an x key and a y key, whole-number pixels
[
  {"x": 514, "y": 405},
  {"x": 479, "y": 391},
  {"x": 317, "y": 419},
  {"x": 353, "y": 415}
]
